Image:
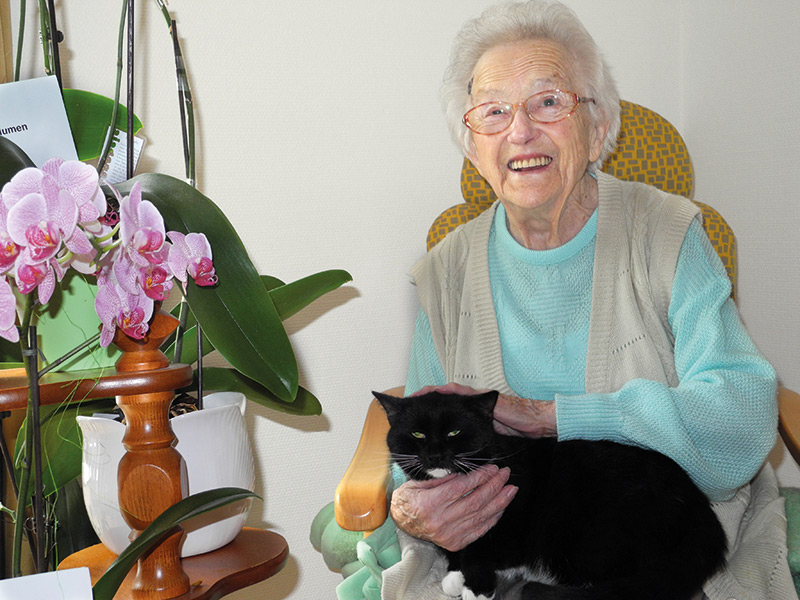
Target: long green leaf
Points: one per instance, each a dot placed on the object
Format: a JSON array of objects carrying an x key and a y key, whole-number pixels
[
  {"x": 288, "y": 299},
  {"x": 89, "y": 118},
  {"x": 161, "y": 527},
  {"x": 292, "y": 297},
  {"x": 217, "y": 378},
  {"x": 12, "y": 159},
  {"x": 237, "y": 315}
]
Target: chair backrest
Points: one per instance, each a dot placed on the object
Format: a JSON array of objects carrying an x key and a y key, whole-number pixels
[{"x": 649, "y": 149}]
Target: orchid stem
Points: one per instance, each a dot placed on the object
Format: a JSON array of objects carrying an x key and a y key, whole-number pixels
[
  {"x": 115, "y": 112},
  {"x": 24, "y": 478},
  {"x": 183, "y": 313},
  {"x": 34, "y": 426},
  {"x": 61, "y": 360},
  {"x": 110, "y": 235},
  {"x": 46, "y": 35},
  {"x": 20, "y": 38},
  {"x": 184, "y": 98}
]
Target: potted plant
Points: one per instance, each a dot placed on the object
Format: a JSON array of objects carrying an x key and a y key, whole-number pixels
[{"x": 239, "y": 310}]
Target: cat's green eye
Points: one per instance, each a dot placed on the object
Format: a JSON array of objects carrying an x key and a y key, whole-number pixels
[
  {"x": 454, "y": 433},
  {"x": 418, "y": 434}
]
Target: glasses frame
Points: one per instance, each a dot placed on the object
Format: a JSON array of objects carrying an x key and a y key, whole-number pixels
[{"x": 516, "y": 105}]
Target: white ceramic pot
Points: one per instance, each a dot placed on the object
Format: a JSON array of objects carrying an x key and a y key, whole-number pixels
[{"x": 216, "y": 448}]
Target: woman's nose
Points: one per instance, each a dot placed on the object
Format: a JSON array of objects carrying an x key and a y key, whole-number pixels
[{"x": 522, "y": 127}]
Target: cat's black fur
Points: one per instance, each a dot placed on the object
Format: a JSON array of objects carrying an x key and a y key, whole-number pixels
[{"x": 604, "y": 520}]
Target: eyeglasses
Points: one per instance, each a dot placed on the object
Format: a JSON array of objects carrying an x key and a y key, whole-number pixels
[{"x": 550, "y": 106}]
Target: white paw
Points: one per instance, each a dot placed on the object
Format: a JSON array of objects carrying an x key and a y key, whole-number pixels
[
  {"x": 453, "y": 583},
  {"x": 468, "y": 594}
]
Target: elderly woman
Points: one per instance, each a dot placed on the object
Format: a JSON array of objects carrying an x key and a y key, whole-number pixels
[{"x": 598, "y": 308}]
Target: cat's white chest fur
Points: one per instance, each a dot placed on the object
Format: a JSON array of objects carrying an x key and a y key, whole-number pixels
[
  {"x": 453, "y": 581},
  {"x": 438, "y": 473}
]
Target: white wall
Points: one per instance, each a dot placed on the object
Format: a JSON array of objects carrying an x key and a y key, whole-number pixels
[
  {"x": 740, "y": 72},
  {"x": 353, "y": 175}
]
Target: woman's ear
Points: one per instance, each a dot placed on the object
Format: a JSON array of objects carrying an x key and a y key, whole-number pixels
[
  {"x": 598, "y": 140},
  {"x": 471, "y": 154}
]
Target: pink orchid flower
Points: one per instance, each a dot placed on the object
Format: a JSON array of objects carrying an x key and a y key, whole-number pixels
[
  {"x": 8, "y": 249},
  {"x": 44, "y": 218},
  {"x": 191, "y": 254},
  {"x": 156, "y": 282},
  {"x": 42, "y": 276},
  {"x": 141, "y": 229},
  {"x": 117, "y": 308},
  {"x": 8, "y": 312},
  {"x": 80, "y": 182}
]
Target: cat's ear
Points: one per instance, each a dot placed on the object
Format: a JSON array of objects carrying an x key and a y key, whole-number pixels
[
  {"x": 391, "y": 404},
  {"x": 485, "y": 402}
]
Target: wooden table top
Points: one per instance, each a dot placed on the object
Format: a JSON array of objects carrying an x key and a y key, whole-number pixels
[{"x": 254, "y": 556}]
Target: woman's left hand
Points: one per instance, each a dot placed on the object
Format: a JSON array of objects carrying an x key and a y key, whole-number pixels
[
  {"x": 523, "y": 417},
  {"x": 512, "y": 415}
]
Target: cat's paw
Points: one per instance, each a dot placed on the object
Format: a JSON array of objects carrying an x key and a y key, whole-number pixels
[
  {"x": 453, "y": 583},
  {"x": 468, "y": 594}
]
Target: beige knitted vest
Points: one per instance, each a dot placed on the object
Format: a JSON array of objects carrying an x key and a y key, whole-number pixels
[{"x": 639, "y": 235}]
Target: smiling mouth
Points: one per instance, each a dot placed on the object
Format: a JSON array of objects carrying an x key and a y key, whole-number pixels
[{"x": 529, "y": 163}]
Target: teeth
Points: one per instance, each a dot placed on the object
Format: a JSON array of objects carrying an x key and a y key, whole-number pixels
[{"x": 540, "y": 161}]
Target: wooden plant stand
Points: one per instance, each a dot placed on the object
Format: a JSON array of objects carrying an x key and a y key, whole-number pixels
[{"x": 151, "y": 475}]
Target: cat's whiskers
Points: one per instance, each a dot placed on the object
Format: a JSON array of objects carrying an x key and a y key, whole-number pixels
[{"x": 410, "y": 463}]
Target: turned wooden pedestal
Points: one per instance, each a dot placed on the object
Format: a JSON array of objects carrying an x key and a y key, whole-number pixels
[{"x": 152, "y": 475}]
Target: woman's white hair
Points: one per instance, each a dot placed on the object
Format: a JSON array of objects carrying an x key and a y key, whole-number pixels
[{"x": 520, "y": 21}]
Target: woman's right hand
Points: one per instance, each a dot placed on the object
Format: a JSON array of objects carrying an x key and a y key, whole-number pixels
[{"x": 454, "y": 511}]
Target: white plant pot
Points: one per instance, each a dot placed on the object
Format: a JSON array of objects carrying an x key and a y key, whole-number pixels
[{"x": 215, "y": 446}]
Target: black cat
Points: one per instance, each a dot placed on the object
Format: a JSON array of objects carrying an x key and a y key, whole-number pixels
[{"x": 591, "y": 520}]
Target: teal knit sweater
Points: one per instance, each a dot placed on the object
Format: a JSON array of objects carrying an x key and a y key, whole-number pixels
[{"x": 543, "y": 303}]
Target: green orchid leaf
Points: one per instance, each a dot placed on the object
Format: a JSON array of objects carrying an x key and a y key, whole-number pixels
[
  {"x": 270, "y": 282},
  {"x": 61, "y": 443},
  {"x": 292, "y": 297},
  {"x": 288, "y": 298},
  {"x": 73, "y": 529},
  {"x": 160, "y": 528},
  {"x": 90, "y": 118},
  {"x": 189, "y": 353},
  {"x": 70, "y": 317},
  {"x": 217, "y": 378},
  {"x": 237, "y": 315},
  {"x": 12, "y": 159}
]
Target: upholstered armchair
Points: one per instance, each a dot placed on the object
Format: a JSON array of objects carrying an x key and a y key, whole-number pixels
[{"x": 649, "y": 150}]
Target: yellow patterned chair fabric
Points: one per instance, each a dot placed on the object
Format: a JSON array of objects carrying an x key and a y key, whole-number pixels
[{"x": 649, "y": 149}]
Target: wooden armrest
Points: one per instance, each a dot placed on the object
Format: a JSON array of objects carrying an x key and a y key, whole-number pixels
[
  {"x": 360, "y": 503},
  {"x": 789, "y": 424}
]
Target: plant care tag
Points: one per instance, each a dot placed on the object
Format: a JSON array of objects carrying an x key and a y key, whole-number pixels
[
  {"x": 69, "y": 584},
  {"x": 115, "y": 169},
  {"x": 32, "y": 115}
]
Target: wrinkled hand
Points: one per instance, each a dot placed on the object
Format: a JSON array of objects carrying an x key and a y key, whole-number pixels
[
  {"x": 520, "y": 416},
  {"x": 454, "y": 511},
  {"x": 512, "y": 415}
]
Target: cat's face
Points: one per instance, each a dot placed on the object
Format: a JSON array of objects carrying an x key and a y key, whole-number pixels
[{"x": 433, "y": 435}]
